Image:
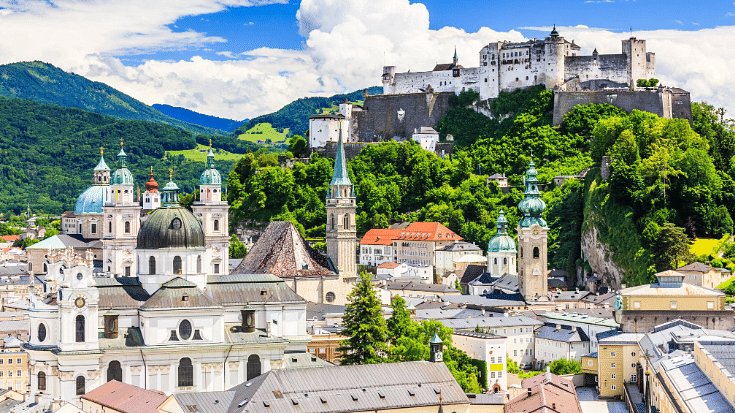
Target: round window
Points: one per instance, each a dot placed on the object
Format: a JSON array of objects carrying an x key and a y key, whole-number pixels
[
  {"x": 176, "y": 223},
  {"x": 80, "y": 276},
  {"x": 330, "y": 297},
  {"x": 185, "y": 330},
  {"x": 41, "y": 333}
]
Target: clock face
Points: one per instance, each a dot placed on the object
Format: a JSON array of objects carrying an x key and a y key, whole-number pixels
[
  {"x": 535, "y": 232},
  {"x": 79, "y": 302}
]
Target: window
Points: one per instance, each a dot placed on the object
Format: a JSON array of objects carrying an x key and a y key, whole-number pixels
[
  {"x": 612, "y": 376},
  {"x": 536, "y": 253},
  {"x": 495, "y": 261},
  {"x": 216, "y": 268},
  {"x": 500, "y": 359},
  {"x": 41, "y": 333},
  {"x": 80, "y": 386},
  {"x": 94, "y": 228},
  {"x": 173, "y": 336},
  {"x": 515, "y": 352},
  {"x": 186, "y": 373},
  {"x": 127, "y": 227},
  {"x": 199, "y": 264},
  {"x": 500, "y": 374},
  {"x": 332, "y": 221},
  {"x": 637, "y": 305},
  {"x": 710, "y": 305},
  {"x": 109, "y": 226},
  {"x": 19, "y": 360},
  {"x": 216, "y": 225},
  {"x": 41, "y": 381},
  {"x": 151, "y": 265},
  {"x": 18, "y": 373},
  {"x": 673, "y": 305},
  {"x": 612, "y": 365},
  {"x": 330, "y": 297},
  {"x": 589, "y": 363},
  {"x": 612, "y": 354},
  {"x": 253, "y": 367},
  {"x": 346, "y": 224},
  {"x": 613, "y": 387},
  {"x": 114, "y": 371},
  {"x": 632, "y": 354},
  {"x": 10, "y": 373},
  {"x": 127, "y": 271},
  {"x": 633, "y": 378},
  {"x": 185, "y": 329},
  {"x": 177, "y": 265},
  {"x": 80, "y": 329}
]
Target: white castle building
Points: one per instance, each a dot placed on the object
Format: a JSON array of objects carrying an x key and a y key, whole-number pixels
[
  {"x": 506, "y": 66},
  {"x": 163, "y": 313}
]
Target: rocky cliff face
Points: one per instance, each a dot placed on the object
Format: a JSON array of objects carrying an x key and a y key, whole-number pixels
[{"x": 600, "y": 259}]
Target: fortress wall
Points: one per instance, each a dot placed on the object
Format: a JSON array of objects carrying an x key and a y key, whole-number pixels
[
  {"x": 613, "y": 67},
  {"x": 681, "y": 105},
  {"x": 386, "y": 116},
  {"x": 652, "y": 101},
  {"x": 353, "y": 149},
  {"x": 440, "y": 81}
]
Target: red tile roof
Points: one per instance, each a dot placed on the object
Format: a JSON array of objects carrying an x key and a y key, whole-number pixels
[
  {"x": 417, "y": 231},
  {"x": 10, "y": 238},
  {"x": 126, "y": 398},
  {"x": 389, "y": 265},
  {"x": 545, "y": 396},
  {"x": 380, "y": 237}
]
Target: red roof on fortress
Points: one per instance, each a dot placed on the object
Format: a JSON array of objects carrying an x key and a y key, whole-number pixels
[{"x": 417, "y": 231}]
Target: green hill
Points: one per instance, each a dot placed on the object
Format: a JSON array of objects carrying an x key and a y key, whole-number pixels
[
  {"x": 47, "y": 153},
  {"x": 295, "y": 116},
  {"x": 45, "y": 83}
]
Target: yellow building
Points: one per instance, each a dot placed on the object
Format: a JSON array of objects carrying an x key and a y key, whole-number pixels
[
  {"x": 618, "y": 358},
  {"x": 14, "y": 370},
  {"x": 703, "y": 275},
  {"x": 641, "y": 308}
]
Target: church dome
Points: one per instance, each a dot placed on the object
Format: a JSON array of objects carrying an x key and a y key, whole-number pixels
[
  {"x": 170, "y": 227},
  {"x": 531, "y": 206},
  {"x": 210, "y": 176},
  {"x": 122, "y": 177},
  {"x": 501, "y": 243},
  {"x": 151, "y": 185},
  {"x": 91, "y": 200}
]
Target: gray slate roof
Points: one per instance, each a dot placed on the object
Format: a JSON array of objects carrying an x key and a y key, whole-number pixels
[
  {"x": 120, "y": 293},
  {"x": 490, "y": 322},
  {"x": 461, "y": 246},
  {"x": 180, "y": 294},
  {"x": 693, "y": 387},
  {"x": 238, "y": 289},
  {"x": 564, "y": 334},
  {"x": 569, "y": 295},
  {"x": 420, "y": 287},
  {"x": 696, "y": 267},
  {"x": 348, "y": 389},
  {"x": 209, "y": 402}
]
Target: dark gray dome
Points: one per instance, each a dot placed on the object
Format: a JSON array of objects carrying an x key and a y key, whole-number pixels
[{"x": 170, "y": 227}]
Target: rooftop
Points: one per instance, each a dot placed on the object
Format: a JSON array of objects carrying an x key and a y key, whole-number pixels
[
  {"x": 126, "y": 398},
  {"x": 582, "y": 318},
  {"x": 693, "y": 387}
]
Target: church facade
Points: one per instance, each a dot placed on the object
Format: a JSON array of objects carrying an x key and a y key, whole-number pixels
[
  {"x": 163, "y": 313},
  {"x": 505, "y": 66}
]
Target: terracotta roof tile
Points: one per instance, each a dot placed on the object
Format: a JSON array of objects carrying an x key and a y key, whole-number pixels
[
  {"x": 126, "y": 398},
  {"x": 389, "y": 265},
  {"x": 380, "y": 237}
]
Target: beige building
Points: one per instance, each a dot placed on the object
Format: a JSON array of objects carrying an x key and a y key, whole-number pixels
[
  {"x": 617, "y": 359},
  {"x": 14, "y": 369},
  {"x": 489, "y": 348},
  {"x": 641, "y": 308},
  {"x": 703, "y": 275}
]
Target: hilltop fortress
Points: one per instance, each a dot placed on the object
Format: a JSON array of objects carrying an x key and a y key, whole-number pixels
[{"x": 506, "y": 66}]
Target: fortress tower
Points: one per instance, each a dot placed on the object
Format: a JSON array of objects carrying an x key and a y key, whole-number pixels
[
  {"x": 532, "y": 238},
  {"x": 341, "y": 210},
  {"x": 554, "y": 52}
]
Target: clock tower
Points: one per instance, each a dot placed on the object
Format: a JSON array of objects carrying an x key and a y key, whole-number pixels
[{"x": 532, "y": 239}]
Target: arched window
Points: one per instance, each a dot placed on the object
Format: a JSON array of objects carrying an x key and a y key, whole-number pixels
[
  {"x": 253, "y": 366},
  {"x": 186, "y": 373},
  {"x": 152, "y": 265},
  {"x": 199, "y": 264},
  {"x": 80, "y": 329},
  {"x": 41, "y": 380},
  {"x": 535, "y": 252},
  {"x": 177, "y": 265},
  {"x": 505, "y": 261},
  {"x": 127, "y": 227},
  {"x": 109, "y": 226},
  {"x": 521, "y": 252},
  {"x": 333, "y": 223},
  {"x": 41, "y": 333},
  {"x": 216, "y": 225},
  {"x": 495, "y": 261},
  {"x": 81, "y": 386},
  {"x": 347, "y": 221},
  {"x": 114, "y": 371}
]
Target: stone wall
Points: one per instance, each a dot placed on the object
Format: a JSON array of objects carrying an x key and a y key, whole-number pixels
[
  {"x": 329, "y": 150},
  {"x": 644, "y": 321},
  {"x": 386, "y": 116},
  {"x": 659, "y": 102}
]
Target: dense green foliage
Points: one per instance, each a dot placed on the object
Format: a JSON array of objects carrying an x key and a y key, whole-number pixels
[
  {"x": 295, "y": 116},
  {"x": 47, "y": 154},
  {"x": 565, "y": 366},
  {"x": 652, "y": 82},
  {"x": 364, "y": 326},
  {"x": 45, "y": 83},
  {"x": 237, "y": 248}
]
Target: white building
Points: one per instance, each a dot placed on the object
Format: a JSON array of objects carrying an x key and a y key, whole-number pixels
[
  {"x": 592, "y": 326},
  {"x": 447, "y": 257},
  {"x": 376, "y": 247},
  {"x": 489, "y": 348},
  {"x": 426, "y": 137},
  {"x": 326, "y": 127},
  {"x": 554, "y": 342},
  {"x": 506, "y": 66}
]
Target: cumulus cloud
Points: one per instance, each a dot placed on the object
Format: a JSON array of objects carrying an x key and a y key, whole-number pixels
[{"x": 346, "y": 44}]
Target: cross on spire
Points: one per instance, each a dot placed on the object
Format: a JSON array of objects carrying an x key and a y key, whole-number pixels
[
  {"x": 102, "y": 151},
  {"x": 210, "y": 143},
  {"x": 121, "y": 142},
  {"x": 170, "y": 174}
]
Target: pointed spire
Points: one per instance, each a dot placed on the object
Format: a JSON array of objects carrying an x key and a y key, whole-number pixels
[
  {"x": 102, "y": 165},
  {"x": 502, "y": 223},
  {"x": 340, "y": 176},
  {"x": 122, "y": 157},
  {"x": 554, "y": 33}
]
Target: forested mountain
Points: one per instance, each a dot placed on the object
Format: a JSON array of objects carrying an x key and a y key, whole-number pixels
[
  {"x": 665, "y": 174},
  {"x": 197, "y": 118},
  {"x": 45, "y": 83},
  {"x": 47, "y": 153},
  {"x": 295, "y": 116}
]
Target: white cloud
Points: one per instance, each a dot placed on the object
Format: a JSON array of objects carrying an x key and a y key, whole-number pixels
[
  {"x": 678, "y": 21},
  {"x": 346, "y": 44}
]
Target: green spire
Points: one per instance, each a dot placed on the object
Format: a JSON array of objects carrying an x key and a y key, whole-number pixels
[
  {"x": 210, "y": 159},
  {"x": 455, "y": 53},
  {"x": 436, "y": 339},
  {"x": 340, "y": 176},
  {"x": 122, "y": 157},
  {"x": 531, "y": 206},
  {"x": 170, "y": 196},
  {"x": 502, "y": 223},
  {"x": 554, "y": 33}
]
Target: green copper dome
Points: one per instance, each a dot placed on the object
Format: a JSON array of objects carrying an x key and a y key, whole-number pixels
[
  {"x": 531, "y": 206},
  {"x": 210, "y": 176},
  {"x": 171, "y": 226},
  {"x": 102, "y": 166},
  {"x": 122, "y": 176},
  {"x": 501, "y": 242}
]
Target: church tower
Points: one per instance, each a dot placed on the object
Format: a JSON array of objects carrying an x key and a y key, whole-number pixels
[
  {"x": 121, "y": 222},
  {"x": 212, "y": 210},
  {"x": 501, "y": 250},
  {"x": 341, "y": 208},
  {"x": 532, "y": 238}
]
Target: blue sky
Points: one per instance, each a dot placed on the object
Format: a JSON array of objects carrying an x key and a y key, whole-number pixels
[{"x": 242, "y": 58}]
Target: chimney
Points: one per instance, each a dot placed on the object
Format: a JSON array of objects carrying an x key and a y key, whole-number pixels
[
  {"x": 558, "y": 327},
  {"x": 530, "y": 392},
  {"x": 548, "y": 373},
  {"x": 483, "y": 311}
]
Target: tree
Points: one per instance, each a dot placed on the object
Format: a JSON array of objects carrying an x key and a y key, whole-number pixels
[
  {"x": 298, "y": 146},
  {"x": 364, "y": 325},
  {"x": 237, "y": 248},
  {"x": 400, "y": 321},
  {"x": 670, "y": 247},
  {"x": 565, "y": 366}
]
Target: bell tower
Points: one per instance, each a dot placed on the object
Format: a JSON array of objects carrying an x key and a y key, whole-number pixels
[
  {"x": 532, "y": 239},
  {"x": 341, "y": 209}
]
